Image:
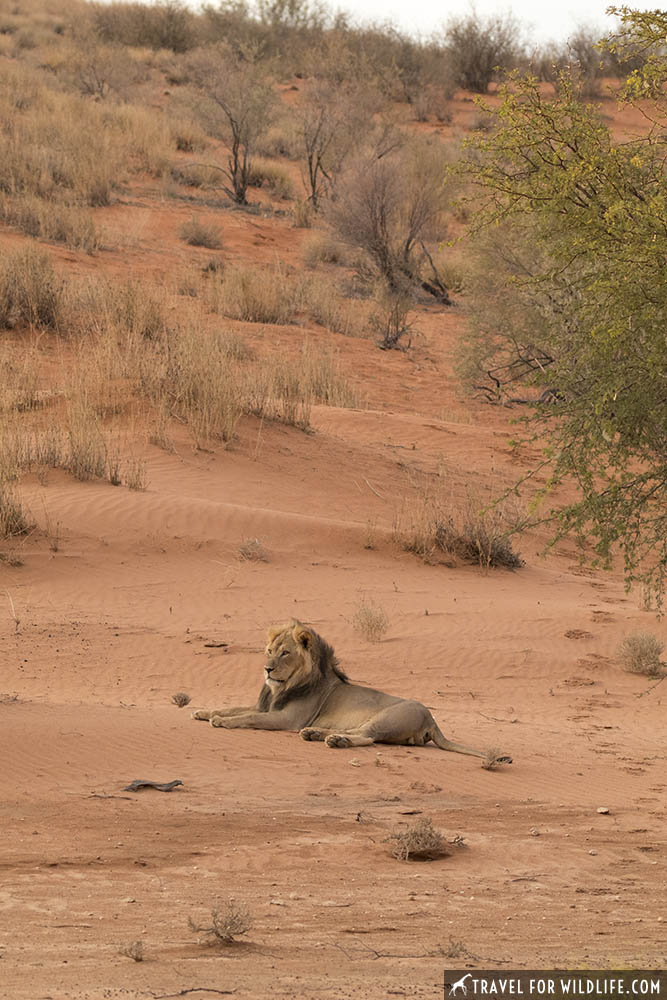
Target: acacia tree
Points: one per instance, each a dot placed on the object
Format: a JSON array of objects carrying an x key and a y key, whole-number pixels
[
  {"x": 597, "y": 209},
  {"x": 235, "y": 103}
]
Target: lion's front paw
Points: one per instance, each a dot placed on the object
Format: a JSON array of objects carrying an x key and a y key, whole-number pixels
[
  {"x": 218, "y": 721},
  {"x": 311, "y": 734},
  {"x": 202, "y": 714},
  {"x": 338, "y": 740}
]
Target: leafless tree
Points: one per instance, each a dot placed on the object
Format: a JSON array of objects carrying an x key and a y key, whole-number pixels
[{"x": 235, "y": 103}]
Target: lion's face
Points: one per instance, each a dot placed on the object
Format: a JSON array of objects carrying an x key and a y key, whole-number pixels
[{"x": 288, "y": 659}]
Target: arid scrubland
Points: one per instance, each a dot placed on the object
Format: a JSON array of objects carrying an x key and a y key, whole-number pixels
[{"x": 236, "y": 110}]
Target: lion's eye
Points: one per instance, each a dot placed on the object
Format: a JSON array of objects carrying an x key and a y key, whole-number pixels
[{"x": 284, "y": 652}]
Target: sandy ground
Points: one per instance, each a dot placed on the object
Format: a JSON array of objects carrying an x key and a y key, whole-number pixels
[
  {"x": 146, "y": 596},
  {"x": 128, "y": 612}
]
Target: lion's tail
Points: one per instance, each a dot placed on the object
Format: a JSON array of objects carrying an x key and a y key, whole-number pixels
[{"x": 443, "y": 743}]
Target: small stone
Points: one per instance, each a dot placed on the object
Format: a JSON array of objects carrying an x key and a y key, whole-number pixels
[
  {"x": 603, "y": 810},
  {"x": 592, "y": 852},
  {"x": 354, "y": 762}
]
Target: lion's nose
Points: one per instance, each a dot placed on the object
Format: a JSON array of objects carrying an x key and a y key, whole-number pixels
[{"x": 268, "y": 668}]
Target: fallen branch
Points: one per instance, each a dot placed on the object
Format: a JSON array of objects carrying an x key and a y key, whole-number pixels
[
  {"x": 192, "y": 989},
  {"x": 652, "y": 688},
  {"x": 162, "y": 786}
]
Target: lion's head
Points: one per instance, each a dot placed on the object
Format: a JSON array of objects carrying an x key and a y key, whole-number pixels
[{"x": 297, "y": 661}]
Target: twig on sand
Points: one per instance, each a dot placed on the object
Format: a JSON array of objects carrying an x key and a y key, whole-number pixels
[
  {"x": 101, "y": 795},
  {"x": 651, "y": 688},
  {"x": 373, "y": 490},
  {"x": 193, "y": 989}
]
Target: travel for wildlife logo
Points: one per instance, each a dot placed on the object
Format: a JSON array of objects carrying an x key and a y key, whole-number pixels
[{"x": 557, "y": 985}]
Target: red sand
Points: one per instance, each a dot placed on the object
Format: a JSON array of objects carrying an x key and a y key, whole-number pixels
[{"x": 104, "y": 631}]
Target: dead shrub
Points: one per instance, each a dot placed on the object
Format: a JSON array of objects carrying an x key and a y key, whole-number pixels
[
  {"x": 133, "y": 950},
  {"x": 199, "y": 234},
  {"x": 420, "y": 842},
  {"x": 252, "y": 550},
  {"x": 476, "y": 48},
  {"x": 437, "y": 531},
  {"x": 165, "y": 25},
  {"x": 640, "y": 652},
  {"x": 370, "y": 620},
  {"x": 389, "y": 321},
  {"x": 181, "y": 699},
  {"x": 227, "y": 923},
  {"x": 388, "y": 208}
]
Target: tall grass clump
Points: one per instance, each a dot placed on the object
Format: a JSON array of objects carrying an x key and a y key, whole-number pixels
[
  {"x": 640, "y": 654},
  {"x": 255, "y": 295},
  {"x": 30, "y": 292},
  {"x": 271, "y": 176},
  {"x": 439, "y": 532}
]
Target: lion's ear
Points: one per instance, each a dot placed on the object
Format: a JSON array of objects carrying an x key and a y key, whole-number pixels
[{"x": 303, "y": 636}]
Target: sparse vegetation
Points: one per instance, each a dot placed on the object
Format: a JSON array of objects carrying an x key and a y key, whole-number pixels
[
  {"x": 370, "y": 620},
  {"x": 252, "y": 550},
  {"x": 640, "y": 653},
  {"x": 228, "y": 922},
  {"x": 438, "y": 531},
  {"x": 199, "y": 234},
  {"x": 133, "y": 950},
  {"x": 30, "y": 292},
  {"x": 420, "y": 842},
  {"x": 272, "y": 176},
  {"x": 181, "y": 699}
]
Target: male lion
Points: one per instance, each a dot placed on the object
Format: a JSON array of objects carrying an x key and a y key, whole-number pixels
[{"x": 306, "y": 690}]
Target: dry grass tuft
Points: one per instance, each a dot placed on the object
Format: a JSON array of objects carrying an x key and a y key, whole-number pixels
[
  {"x": 252, "y": 550},
  {"x": 133, "y": 950},
  {"x": 371, "y": 621},
  {"x": 640, "y": 654},
  {"x": 254, "y": 295},
  {"x": 323, "y": 248},
  {"x": 420, "y": 842},
  {"x": 227, "y": 923},
  {"x": 199, "y": 234},
  {"x": 271, "y": 176},
  {"x": 30, "y": 292},
  {"x": 14, "y": 519},
  {"x": 181, "y": 699}
]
